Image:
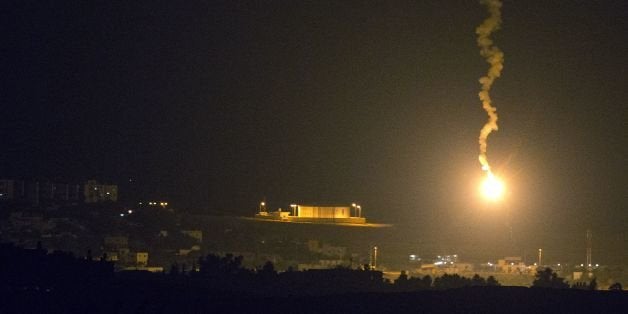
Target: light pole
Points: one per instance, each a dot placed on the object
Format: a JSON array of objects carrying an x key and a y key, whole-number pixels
[
  {"x": 540, "y": 256},
  {"x": 375, "y": 257},
  {"x": 294, "y": 209},
  {"x": 262, "y": 206}
]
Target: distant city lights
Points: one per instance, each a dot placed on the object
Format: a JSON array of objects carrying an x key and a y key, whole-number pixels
[{"x": 154, "y": 203}]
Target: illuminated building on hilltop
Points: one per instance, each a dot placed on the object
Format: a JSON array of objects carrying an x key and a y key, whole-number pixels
[
  {"x": 305, "y": 211},
  {"x": 316, "y": 214}
]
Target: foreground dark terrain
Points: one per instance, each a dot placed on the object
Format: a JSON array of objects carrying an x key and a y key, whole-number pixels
[
  {"x": 35, "y": 281},
  {"x": 180, "y": 299}
]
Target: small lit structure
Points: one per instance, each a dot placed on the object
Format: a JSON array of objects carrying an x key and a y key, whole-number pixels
[
  {"x": 141, "y": 259},
  {"x": 95, "y": 192},
  {"x": 194, "y": 234},
  {"x": 306, "y": 211},
  {"x": 512, "y": 264},
  {"x": 315, "y": 214}
]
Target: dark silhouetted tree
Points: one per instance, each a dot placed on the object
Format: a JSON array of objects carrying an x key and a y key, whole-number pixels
[
  {"x": 416, "y": 283},
  {"x": 267, "y": 272},
  {"x": 174, "y": 270},
  {"x": 447, "y": 281},
  {"x": 546, "y": 278},
  {"x": 492, "y": 282},
  {"x": 214, "y": 265},
  {"x": 478, "y": 281},
  {"x": 426, "y": 282},
  {"x": 402, "y": 281},
  {"x": 616, "y": 287}
]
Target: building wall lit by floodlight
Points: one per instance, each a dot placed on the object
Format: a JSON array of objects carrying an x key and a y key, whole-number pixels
[
  {"x": 323, "y": 211},
  {"x": 316, "y": 214}
]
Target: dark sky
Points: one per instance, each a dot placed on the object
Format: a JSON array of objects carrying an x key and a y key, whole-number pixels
[{"x": 217, "y": 105}]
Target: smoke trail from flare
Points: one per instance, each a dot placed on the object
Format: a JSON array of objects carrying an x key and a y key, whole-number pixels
[{"x": 495, "y": 58}]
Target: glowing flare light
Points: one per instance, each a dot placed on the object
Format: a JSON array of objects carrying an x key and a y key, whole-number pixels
[{"x": 492, "y": 187}]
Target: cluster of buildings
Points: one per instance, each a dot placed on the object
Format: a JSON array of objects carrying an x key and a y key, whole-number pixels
[
  {"x": 58, "y": 216},
  {"x": 179, "y": 247},
  {"x": 25, "y": 229},
  {"x": 510, "y": 270},
  {"x": 155, "y": 245},
  {"x": 306, "y": 255},
  {"x": 326, "y": 256},
  {"x": 451, "y": 264},
  {"x": 101, "y": 233},
  {"x": 47, "y": 192}
]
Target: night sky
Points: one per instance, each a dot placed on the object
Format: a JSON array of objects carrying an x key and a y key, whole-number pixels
[{"x": 215, "y": 106}]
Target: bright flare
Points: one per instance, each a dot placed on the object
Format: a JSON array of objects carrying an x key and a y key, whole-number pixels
[{"x": 492, "y": 187}]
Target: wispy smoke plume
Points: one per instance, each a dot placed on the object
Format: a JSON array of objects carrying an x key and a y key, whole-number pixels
[{"x": 495, "y": 58}]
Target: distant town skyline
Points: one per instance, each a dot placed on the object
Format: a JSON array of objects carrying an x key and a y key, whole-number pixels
[{"x": 218, "y": 106}]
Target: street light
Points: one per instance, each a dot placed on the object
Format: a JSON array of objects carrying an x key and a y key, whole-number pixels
[
  {"x": 294, "y": 209},
  {"x": 540, "y": 256},
  {"x": 375, "y": 257},
  {"x": 262, "y": 206}
]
